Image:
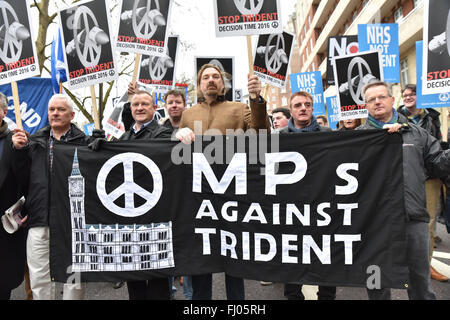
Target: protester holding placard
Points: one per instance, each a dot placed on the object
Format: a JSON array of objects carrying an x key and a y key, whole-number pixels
[
  {"x": 302, "y": 120},
  {"x": 420, "y": 150},
  {"x": 37, "y": 154},
  {"x": 215, "y": 115},
  {"x": 428, "y": 119},
  {"x": 12, "y": 246}
]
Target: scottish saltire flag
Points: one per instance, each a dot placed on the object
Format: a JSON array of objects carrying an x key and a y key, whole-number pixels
[{"x": 57, "y": 63}]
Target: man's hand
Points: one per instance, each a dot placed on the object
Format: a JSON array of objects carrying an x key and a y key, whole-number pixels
[
  {"x": 132, "y": 88},
  {"x": 393, "y": 128},
  {"x": 254, "y": 85},
  {"x": 20, "y": 138},
  {"x": 185, "y": 135},
  {"x": 97, "y": 144},
  {"x": 98, "y": 133}
]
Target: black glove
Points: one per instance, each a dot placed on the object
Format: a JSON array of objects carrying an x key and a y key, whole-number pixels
[
  {"x": 444, "y": 145},
  {"x": 98, "y": 133},
  {"x": 96, "y": 144}
]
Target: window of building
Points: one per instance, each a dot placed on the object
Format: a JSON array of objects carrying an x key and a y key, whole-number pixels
[
  {"x": 404, "y": 74},
  {"x": 398, "y": 15},
  {"x": 284, "y": 101}
]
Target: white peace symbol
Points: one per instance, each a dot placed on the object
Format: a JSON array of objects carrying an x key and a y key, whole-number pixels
[
  {"x": 10, "y": 43},
  {"x": 253, "y": 8},
  {"x": 88, "y": 50},
  {"x": 129, "y": 188},
  {"x": 360, "y": 62},
  {"x": 145, "y": 28},
  {"x": 273, "y": 57}
]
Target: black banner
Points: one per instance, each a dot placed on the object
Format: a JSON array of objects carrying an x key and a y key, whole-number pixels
[{"x": 323, "y": 208}]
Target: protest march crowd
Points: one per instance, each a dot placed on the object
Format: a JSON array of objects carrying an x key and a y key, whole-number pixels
[
  {"x": 27, "y": 168},
  {"x": 27, "y": 162}
]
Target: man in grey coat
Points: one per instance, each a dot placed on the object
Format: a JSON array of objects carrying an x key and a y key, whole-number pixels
[{"x": 420, "y": 151}]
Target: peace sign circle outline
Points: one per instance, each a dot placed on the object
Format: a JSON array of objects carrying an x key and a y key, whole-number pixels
[
  {"x": 129, "y": 187},
  {"x": 91, "y": 48},
  {"x": 360, "y": 62},
  {"x": 273, "y": 61},
  {"x": 10, "y": 43},
  {"x": 156, "y": 67},
  {"x": 145, "y": 20}
]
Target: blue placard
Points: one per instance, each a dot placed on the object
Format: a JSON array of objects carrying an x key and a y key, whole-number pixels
[
  {"x": 384, "y": 38},
  {"x": 34, "y": 95},
  {"x": 310, "y": 82},
  {"x": 333, "y": 110},
  {"x": 88, "y": 128},
  {"x": 437, "y": 100}
]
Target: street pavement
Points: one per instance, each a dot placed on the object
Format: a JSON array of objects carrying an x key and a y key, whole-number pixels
[{"x": 255, "y": 291}]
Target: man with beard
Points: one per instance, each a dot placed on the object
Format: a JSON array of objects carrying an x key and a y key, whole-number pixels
[{"x": 214, "y": 115}]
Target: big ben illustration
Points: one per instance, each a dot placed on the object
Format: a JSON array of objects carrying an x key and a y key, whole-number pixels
[
  {"x": 76, "y": 195},
  {"x": 97, "y": 247}
]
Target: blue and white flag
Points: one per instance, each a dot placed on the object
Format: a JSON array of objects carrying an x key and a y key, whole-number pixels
[
  {"x": 436, "y": 100},
  {"x": 58, "y": 65},
  {"x": 310, "y": 82},
  {"x": 383, "y": 38},
  {"x": 34, "y": 95}
]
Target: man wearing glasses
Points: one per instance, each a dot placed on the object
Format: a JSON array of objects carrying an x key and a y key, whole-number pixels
[
  {"x": 420, "y": 150},
  {"x": 429, "y": 120}
]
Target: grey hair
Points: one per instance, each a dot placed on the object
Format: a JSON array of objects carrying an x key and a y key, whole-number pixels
[
  {"x": 3, "y": 101},
  {"x": 64, "y": 97},
  {"x": 377, "y": 84}
]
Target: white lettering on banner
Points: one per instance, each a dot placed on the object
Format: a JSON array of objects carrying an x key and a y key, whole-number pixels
[
  {"x": 224, "y": 235},
  {"x": 342, "y": 173},
  {"x": 323, "y": 254},
  {"x": 378, "y": 34},
  {"x": 348, "y": 240},
  {"x": 307, "y": 243},
  {"x": 206, "y": 204},
  {"x": 287, "y": 247},
  {"x": 236, "y": 169},
  {"x": 31, "y": 118},
  {"x": 306, "y": 80},
  {"x": 259, "y": 255},
  {"x": 262, "y": 246},
  {"x": 205, "y": 232},
  {"x": 225, "y": 215},
  {"x": 255, "y": 207},
  {"x": 272, "y": 179},
  {"x": 347, "y": 207}
]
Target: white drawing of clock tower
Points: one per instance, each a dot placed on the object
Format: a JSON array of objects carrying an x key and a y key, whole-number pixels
[{"x": 76, "y": 195}]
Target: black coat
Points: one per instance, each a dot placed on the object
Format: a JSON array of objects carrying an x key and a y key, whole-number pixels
[
  {"x": 152, "y": 131},
  {"x": 36, "y": 158},
  {"x": 12, "y": 247}
]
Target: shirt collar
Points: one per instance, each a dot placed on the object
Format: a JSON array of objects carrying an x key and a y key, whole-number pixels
[{"x": 143, "y": 126}]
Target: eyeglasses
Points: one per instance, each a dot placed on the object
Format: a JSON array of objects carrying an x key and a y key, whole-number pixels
[
  {"x": 372, "y": 100},
  {"x": 409, "y": 95}
]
